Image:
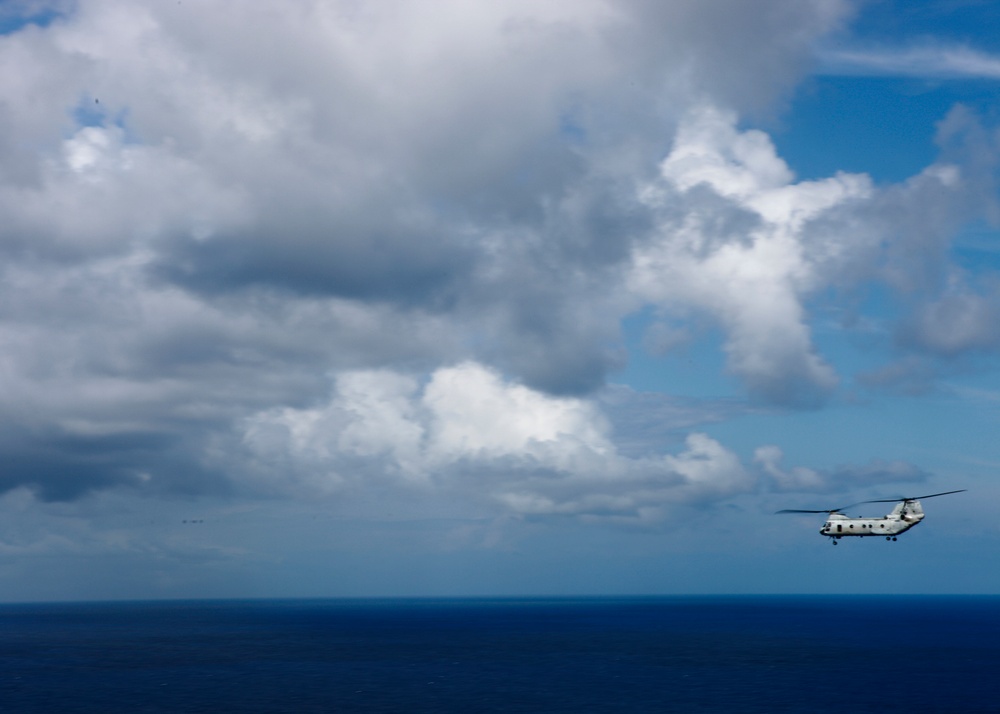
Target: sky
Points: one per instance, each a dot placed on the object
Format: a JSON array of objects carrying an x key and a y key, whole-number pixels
[{"x": 319, "y": 298}]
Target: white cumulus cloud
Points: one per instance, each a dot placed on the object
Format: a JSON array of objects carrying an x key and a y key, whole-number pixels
[
  {"x": 467, "y": 426},
  {"x": 738, "y": 249}
]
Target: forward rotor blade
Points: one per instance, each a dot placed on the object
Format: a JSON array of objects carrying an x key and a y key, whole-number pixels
[
  {"x": 913, "y": 498},
  {"x": 797, "y": 510}
]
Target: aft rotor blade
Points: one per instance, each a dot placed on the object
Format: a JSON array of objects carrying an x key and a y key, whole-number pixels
[{"x": 914, "y": 498}]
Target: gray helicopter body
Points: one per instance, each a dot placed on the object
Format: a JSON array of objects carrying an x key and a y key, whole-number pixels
[{"x": 907, "y": 513}]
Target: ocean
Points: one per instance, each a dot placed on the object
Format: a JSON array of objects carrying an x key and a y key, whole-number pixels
[{"x": 669, "y": 654}]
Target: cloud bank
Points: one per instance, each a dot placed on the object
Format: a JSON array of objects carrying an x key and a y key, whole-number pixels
[{"x": 215, "y": 211}]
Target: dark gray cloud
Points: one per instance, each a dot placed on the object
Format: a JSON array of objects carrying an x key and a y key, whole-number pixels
[
  {"x": 411, "y": 268},
  {"x": 65, "y": 465}
]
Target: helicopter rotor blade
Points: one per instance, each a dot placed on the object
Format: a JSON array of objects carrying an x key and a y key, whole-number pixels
[
  {"x": 798, "y": 510},
  {"x": 913, "y": 498}
]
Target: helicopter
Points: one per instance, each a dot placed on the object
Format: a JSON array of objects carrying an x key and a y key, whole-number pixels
[{"x": 907, "y": 513}]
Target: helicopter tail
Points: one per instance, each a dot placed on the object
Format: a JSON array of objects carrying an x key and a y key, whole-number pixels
[{"x": 908, "y": 510}]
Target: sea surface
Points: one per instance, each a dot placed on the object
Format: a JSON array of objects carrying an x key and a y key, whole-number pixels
[{"x": 673, "y": 654}]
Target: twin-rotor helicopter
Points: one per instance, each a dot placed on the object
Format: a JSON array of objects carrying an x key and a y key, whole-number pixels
[{"x": 907, "y": 513}]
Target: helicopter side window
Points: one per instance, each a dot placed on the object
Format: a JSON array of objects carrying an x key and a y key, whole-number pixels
[{"x": 839, "y": 528}]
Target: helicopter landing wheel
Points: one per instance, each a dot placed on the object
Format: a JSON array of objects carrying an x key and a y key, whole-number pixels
[
  {"x": 888, "y": 538},
  {"x": 834, "y": 541},
  {"x": 894, "y": 538}
]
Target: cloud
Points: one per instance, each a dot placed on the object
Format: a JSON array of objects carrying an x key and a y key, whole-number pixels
[
  {"x": 208, "y": 213},
  {"x": 839, "y": 480},
  {"x": 958, "y": 322},
  {"x": 946, "y": 304},
  {"x": 930, "y": 62},
  {"x": 737, "y": 247},
  {"x": 212, "y": 215},
  {"x": 469, "y": 431},
  {"x": 735, "y": 238}
]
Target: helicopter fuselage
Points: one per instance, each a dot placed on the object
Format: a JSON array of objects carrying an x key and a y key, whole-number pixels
[
  {"x": 907, "y": 513},
  {"x": 903, "y": 518},
  {"x": 839, "y": 526}
]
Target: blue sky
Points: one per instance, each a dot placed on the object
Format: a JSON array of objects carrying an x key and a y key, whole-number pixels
[{"x": 437, "y": 298}]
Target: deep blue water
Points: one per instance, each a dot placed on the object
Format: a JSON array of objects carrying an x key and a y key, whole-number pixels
[{"x": 679, "y": 654}]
